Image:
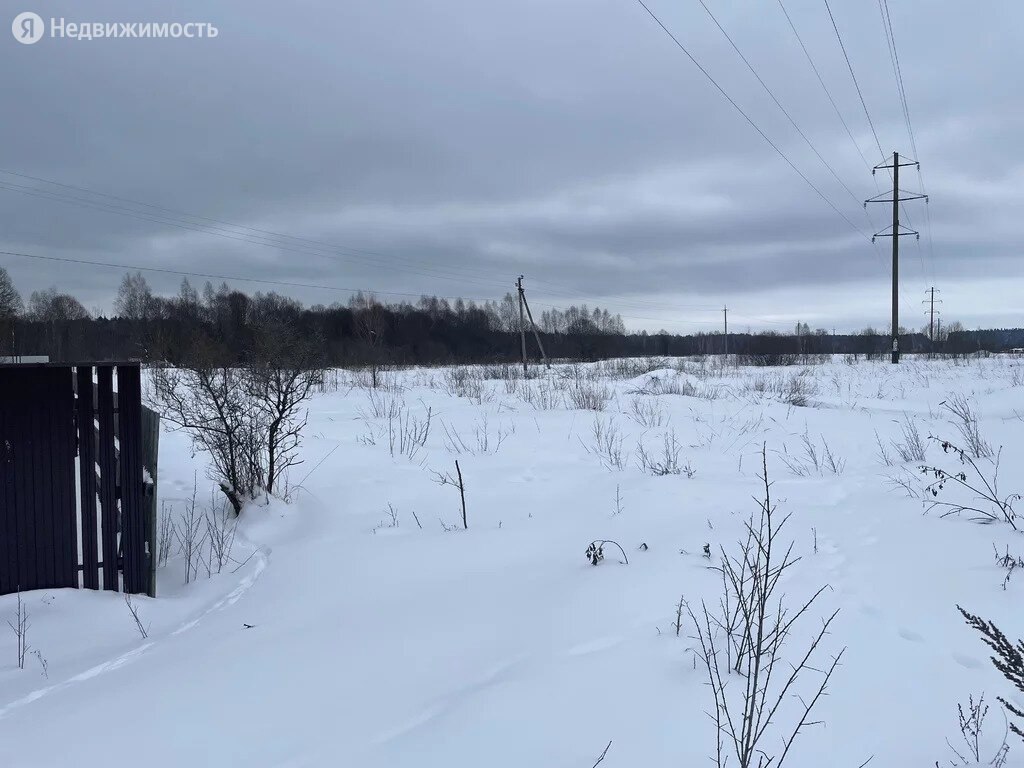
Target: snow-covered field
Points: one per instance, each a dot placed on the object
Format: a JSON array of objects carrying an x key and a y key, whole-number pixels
[{"x": 361, "y": 626}]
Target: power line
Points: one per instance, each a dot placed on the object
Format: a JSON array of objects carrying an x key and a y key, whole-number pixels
[
  {"x": 225, "y": 278},
  {"x": 863, "y": 103},
  {"x": 824, "y": 87},
  {"x": 860, "y": 93},
  {"x": 177, "y": 214},
  {"x": 746, "y": 117},
  {"x": 223, "y": 229},
  {"x": 784, "y": 111},
  {"x": 890, "y": 36}
]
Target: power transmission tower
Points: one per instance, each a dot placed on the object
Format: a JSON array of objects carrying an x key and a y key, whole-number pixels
[
  {"x": 725, "y": 316},
  {"x": 930, "y": 301},
  {"x": 895, "y": 233}
]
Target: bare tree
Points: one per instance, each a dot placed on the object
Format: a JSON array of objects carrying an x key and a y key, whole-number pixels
[
  {"x": 285, "y": 369},
  {"x": 52, "y": 307},
  {"x": 371, "y": 325},
  {"x": 210, "y": 404},
  {"x": 10, "y": 300},
  {"x": 134, "y": 298}
]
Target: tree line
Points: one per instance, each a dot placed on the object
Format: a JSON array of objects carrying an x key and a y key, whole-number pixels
[{"x": 227, "y": 325}]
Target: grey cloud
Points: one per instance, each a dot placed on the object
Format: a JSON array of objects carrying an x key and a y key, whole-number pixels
[{"x": 567, "y": 139}]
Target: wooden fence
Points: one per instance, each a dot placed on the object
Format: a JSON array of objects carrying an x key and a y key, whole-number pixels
[{"x": 78, "y": 468}]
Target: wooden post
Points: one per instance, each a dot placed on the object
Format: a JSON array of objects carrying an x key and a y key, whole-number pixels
[
  {"x": 522, "y": 322},
  {"x": 533, "y": 325}
]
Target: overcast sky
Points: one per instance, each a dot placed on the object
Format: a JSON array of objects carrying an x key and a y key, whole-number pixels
[{"x": 447, "y": 147}]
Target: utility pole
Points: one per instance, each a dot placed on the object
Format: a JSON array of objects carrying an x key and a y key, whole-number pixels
[
  {"x": 522, "y": 322},
  {"x": 930, "y": 301},
  {"x": 533, "y": 325},
  {"x": 895, "y": 234},
  {"x": 725, "y": 316}
]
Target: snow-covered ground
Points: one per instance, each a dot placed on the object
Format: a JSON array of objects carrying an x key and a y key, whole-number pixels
[{"x": 360, "y": 625}]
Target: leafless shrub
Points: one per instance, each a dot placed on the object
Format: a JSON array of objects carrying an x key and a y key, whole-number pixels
[
  {"x": 798, "y": 389},
  {"x": 966, "y": 422},
  {"x": 971, "y": 721},
  {"x": 20, "y": 627},
  {"x": 382, "y": 404},
  {"x": 647, "y": 412},
  {"x": 747, "y": 717},
  {"x": 589, "y": 396},
  {"x": 606, "y": 443},
  {"x": 912, "y": 447},
  {"x": 248, "y": 419},
  {"x": 813, "y": 460},
  {"x": 630, "y": 367},
  {"x": 407, "y": 434},
  {"x": 165, "y": 536},
  {"x": 667, "y": 461},
  {"x": 211, "y": 405},
  {"x": 134, "y": 610},
  {"x": 484, "y": 439},
  {"x": 220, "y": 536},
  {"x": 456, "y": 482},
  {"x": 1009, "y": 563},
  {"x": 542, "y": 395},
  {"x": 666, "y": 385},
  {"x": 465, "y": 382},
  {"x": 986, "y": 504},
  {"x": 284, "y": 369},
  {"x": 883, "y": 455},
  {"x": 1007, "y": 657},
  {"x": 391, "y": 521}
]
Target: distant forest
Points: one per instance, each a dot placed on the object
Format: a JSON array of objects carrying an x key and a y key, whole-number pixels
[{"x": 227, "y": 323}]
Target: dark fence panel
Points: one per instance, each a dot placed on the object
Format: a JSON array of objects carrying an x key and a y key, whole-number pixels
[
  {"x": 38, "y": 549},
  {"x": 44, "y": 522},
  {"x": 133, "y": 541}
]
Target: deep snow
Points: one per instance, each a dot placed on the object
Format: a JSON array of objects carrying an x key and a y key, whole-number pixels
[{"x": 374, "y": 644}]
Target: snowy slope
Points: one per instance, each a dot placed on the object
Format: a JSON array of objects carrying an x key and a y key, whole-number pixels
[{"x": 377, "y": 644}]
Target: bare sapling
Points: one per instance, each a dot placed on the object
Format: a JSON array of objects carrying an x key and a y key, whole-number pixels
[
  {"x": 191, "y": 535},
  {"x": 457, "y": 482},
  {"x": 133, "y": 609},
  {"x": 20, "y": 627},
  {"x": 220, "y": 533},
  {"x": 759, "y": 715}
]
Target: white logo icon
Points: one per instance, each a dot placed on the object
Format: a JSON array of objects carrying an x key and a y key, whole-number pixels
[{"x": 27, "y": 27}]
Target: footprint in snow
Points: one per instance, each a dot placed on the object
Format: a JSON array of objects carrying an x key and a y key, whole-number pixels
[
  {"x": 968, "y": 662},
  {"x": 910, "y": 635}
]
